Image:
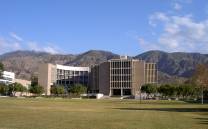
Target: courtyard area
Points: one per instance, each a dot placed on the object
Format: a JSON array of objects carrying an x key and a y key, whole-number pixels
[{"x": 47, "y": 113}]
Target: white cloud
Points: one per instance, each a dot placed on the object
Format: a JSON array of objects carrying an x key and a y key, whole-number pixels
[
  {"x": 50, "y": 48},
  {"x": 158, "y": 16},
  {"x": 15, "y": 36},
  {"x": 177, "y": 6},
  {"x": 8, "y": 45},
  {"x": 16, "y": 46},
  {"x": 184, "y": 1},
  {"x": 179, "y": 33},
  {"x": 14, "y": 42},
  {"x": 32, "y": 45},
  {"x": 145, "y": 45}
]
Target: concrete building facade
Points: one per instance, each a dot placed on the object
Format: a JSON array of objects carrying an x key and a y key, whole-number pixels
[
  {"x": 50, "y": 74},
  {"x": 121, "y": 77},
  {"x": 115, "y": 77}
]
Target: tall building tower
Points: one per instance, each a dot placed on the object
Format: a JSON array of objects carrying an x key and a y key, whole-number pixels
[{"x": 120, "y": 77}]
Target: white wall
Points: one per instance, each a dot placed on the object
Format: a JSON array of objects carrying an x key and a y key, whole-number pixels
[{"x": 8, "y": 77}]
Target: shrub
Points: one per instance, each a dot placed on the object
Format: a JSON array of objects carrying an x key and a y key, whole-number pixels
[
  {"x": 36, "y": 89},
  {"x": 57, "y": 90},
  {"x": 167, "y": 90},
  {"x": 149, "y": 89},
  {"x": 78, "y": 89}
]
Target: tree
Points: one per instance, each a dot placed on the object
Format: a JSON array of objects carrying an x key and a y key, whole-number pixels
[
  {"x": 167, "y": 90},
  {"x": 16, "y": 87},
  {"x": 4, "y": 89},
  {"x": 185, "y": 90},
  {"x": 200, "y": 77},
  {"x": 36, "y": 89},
  {"x": 78, "y": 89},
  {"x": 1, "y": 69},
  {"x": 149, "y": 89},
  {"x": 34, "y": 80},
  {"x": 1, "y": 89},
  {"x": 57, "y": 90}
]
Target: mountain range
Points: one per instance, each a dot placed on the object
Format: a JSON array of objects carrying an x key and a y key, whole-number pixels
[{"x": 172, "y": 67}]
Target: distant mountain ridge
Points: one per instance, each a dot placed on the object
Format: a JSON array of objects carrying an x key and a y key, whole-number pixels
[
  {"x": 175, "y": 64},
  {"x": 92, "y": 57},
  {"x": 171, "y": 65},
  {"x": 25, "y": 63}
]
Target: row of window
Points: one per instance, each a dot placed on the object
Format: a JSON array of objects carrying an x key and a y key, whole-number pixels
[
  {"x": 59, "y": 71},
  {"x": 6, "y": 78},
  {"x": 121, "y": 84},
  {"x": 120, "y": 71},
  {"x": 150, "y": 66},
  {"x": 150, "y": 79},
  {"x": 120, "y": 64},
  {"x": 150, "y": 72},
  {"x": 72, "y": 77},
  {"x": 120, "y": 78},
  {"x": 68, "y": 82}
]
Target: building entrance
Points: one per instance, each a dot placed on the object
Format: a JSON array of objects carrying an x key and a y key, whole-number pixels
[
  {"x": 117, "y": 92},
  {"x": 127, "y": 92}
]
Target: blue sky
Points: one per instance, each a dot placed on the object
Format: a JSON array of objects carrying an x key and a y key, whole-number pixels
[{"x": 126, "y": 27}]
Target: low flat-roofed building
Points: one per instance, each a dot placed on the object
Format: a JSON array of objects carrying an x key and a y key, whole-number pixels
[
  {"x": 50, "y": 74},
  {"x": 7, "y": 77},
  {"x": 25, "y": 83}
]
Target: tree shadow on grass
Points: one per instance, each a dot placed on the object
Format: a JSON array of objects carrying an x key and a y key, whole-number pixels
[
  {"x": 203, "y": 120},
  {"x": 168, "y": 109}
]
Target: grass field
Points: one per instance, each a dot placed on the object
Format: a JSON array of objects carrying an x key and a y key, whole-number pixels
[{"x": 100, "y": 114}]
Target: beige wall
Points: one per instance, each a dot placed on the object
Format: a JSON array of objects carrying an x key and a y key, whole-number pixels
[
  {"x": 138, "y": 76},
  {"x": 25, "y": 83},
  {"x": 139, "y": 69},
  {"x": 46, "y": 77},
  {"x": 151, "y": 73}
]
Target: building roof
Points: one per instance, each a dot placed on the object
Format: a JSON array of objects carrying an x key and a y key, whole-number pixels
[{"x": 72, "y": 68}]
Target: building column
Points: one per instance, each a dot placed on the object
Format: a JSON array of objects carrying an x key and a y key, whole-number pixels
[
  {"x": 121, "y": 91},
  {"x": 110, "y": 94}
]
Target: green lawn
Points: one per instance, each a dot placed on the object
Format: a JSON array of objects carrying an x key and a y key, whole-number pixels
[{"x": 100, "y": 114}]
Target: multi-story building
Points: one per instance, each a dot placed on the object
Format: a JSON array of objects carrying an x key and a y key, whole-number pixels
[
  {"x": 7, "y": 77},
  {"x": 122, "y": 76},
  {"x": 50, "y": 74},
  {"x": 116, "y": 77},
  {"x": 151, "y": 74}
]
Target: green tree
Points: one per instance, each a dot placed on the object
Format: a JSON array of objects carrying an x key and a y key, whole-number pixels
[
  {"x": 36, "y": 89},
  {"x": 149, "y": 89},
  {"x": 1, "y": 69},
  {"x": 167, "y": 90},
  {"x": 1, "y": 89},
  {"x": 78, "y": 89},
  {"x": 53, "y": 90},
  {"x": 34, "y": 80},
  {"x": 57, "y": 90},
  {"x": 185, "y": 90},
  {"x": 16, "y": 87},
  {"x": 4, "y": 89},
  {"x": 200, "y": 77}
]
